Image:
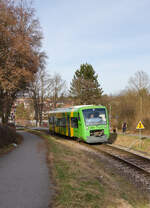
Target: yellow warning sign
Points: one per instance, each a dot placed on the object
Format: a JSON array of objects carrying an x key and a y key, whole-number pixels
[{"x": 140, "y": 125}]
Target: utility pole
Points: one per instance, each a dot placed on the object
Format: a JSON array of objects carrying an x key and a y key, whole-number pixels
[
  {"x": 141, "y": 106},
  {"x": 110, "y": 115}
]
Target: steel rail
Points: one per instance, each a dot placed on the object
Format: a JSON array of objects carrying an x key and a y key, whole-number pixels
[{"x": 120, "y": 158}]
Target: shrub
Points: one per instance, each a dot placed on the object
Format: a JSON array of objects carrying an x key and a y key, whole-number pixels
[
  {"x": 8, "y": 136},
  {"x": 146, "y": 123}
]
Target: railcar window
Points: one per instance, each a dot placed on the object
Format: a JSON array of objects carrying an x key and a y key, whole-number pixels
[
  {"x": 74, "y": 122},
  {"x": 79, "y": 116},
  {"x": 60, "y": 122},
  {"x": 57, "y": 122},
  {"x": 50, "y": 120},
  {"x": 95, "y": 116},
  {"x": 63, "y": 122}
]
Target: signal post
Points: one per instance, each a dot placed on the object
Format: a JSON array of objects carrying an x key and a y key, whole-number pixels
[{"x": 139, "y": 127}]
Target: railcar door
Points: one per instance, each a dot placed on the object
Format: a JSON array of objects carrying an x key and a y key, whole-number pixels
[
  {"x": 53, "y": 124},
  {"x": 79, "y": 126},
  {"x": 68, "y": 124}
]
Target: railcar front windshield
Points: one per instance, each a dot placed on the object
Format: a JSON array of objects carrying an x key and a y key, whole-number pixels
[{"x": 94, "y": 116}]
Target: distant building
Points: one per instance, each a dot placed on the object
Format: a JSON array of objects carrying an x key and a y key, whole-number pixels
[{"x": 28, "y": 102}]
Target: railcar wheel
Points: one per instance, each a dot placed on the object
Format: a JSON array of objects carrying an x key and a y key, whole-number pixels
[{"x": 78, "y": 140}]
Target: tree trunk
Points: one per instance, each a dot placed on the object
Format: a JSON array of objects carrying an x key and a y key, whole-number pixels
[
  {"x": 6, "y": 113},
  {"x": 6, "y": 105},
  {"x": 40, "y": 114}
]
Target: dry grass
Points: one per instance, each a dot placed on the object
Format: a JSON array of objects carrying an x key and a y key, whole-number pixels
[
  {"x": 82, "y": 180},
  {"x": 134, "y": 142}
]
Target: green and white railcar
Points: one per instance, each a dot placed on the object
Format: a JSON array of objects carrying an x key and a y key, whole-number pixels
[{"x": 89, "y": 123}]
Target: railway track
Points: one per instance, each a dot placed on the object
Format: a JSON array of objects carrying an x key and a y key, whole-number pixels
[
  {"x": 133, "y": 160},
  {"x": 141, "y": 162}
]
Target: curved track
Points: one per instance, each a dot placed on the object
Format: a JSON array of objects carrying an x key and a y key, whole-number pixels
[{"x": 133, "y": 160}]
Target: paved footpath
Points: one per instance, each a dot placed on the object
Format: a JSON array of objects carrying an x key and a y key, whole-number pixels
[{"x": 24, "y": 176}]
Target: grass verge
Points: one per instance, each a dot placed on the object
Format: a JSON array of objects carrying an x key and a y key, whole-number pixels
[
  {"x": 134, "y": 142},
  {"x": 82, "y": 180}
]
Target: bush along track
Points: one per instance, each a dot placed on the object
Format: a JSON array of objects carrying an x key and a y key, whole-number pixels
[
  {"x": 9, "y": 139},
  {"x": 82, "y": 180}
]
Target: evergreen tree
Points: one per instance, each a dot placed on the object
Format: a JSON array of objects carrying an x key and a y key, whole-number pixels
[{"x": 85, "y": 87}]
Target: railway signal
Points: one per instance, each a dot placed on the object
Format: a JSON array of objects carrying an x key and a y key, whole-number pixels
[{"x": 139, "y": 127}]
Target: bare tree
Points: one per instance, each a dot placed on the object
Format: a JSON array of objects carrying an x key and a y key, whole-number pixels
[
  {"x": 57, "y": 88},
  {"x": 139, "y": 81},
  {"x": 38, "y": 90}
]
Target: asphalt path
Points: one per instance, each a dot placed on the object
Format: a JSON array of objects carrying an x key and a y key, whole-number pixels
[{"x": 24, "y": 176}]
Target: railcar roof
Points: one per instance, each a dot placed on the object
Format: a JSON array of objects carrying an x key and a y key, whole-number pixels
[{"x": 74, "y": 108}]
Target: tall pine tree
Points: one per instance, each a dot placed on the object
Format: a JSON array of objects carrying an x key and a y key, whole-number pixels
[{"x": 85, "y": 87}]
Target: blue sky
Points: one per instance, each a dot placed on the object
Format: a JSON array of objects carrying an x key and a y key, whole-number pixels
[{"x": 111, "y": 35}]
